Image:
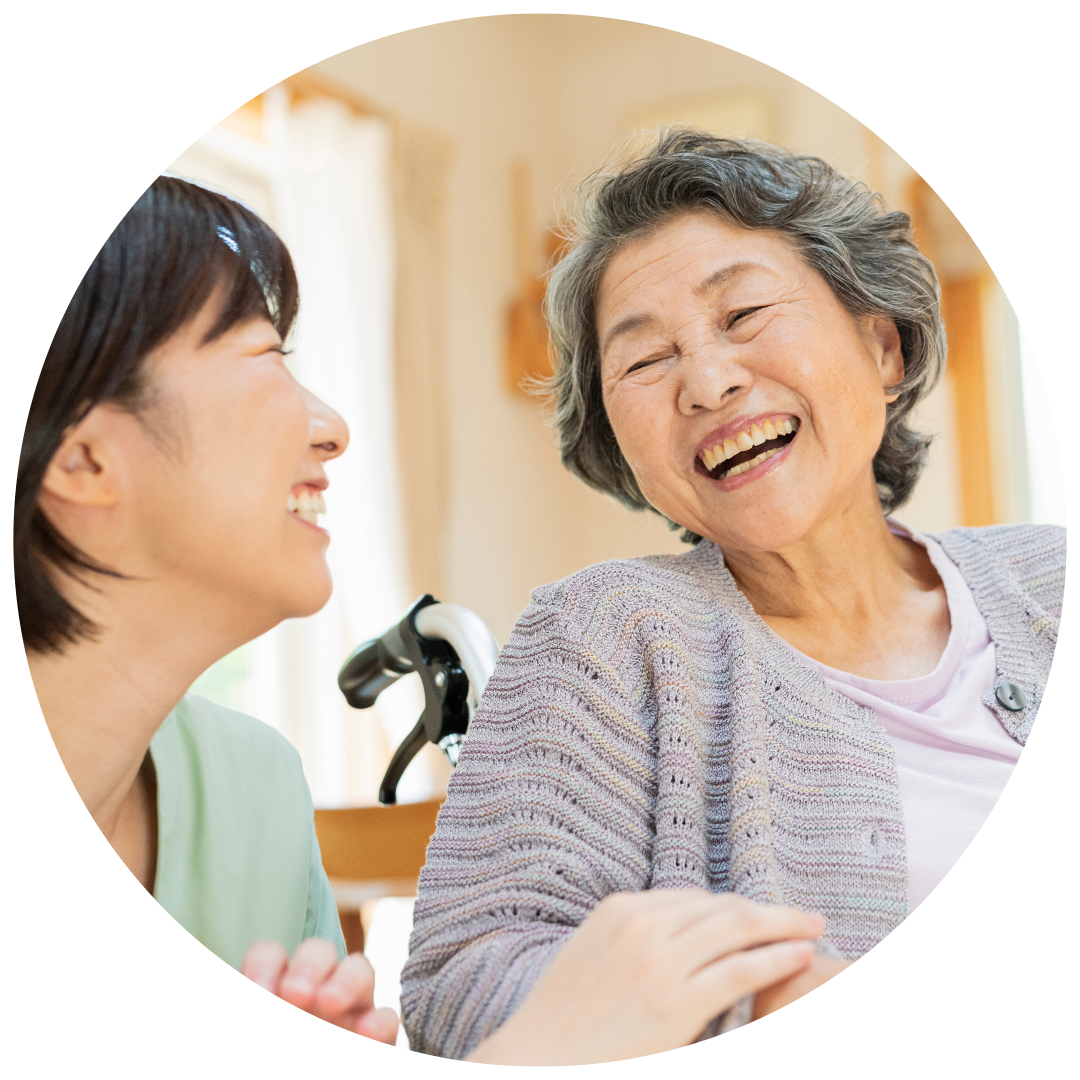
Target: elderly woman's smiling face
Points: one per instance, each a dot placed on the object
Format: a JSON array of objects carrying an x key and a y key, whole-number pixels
[{"x": 715, "y": 341}]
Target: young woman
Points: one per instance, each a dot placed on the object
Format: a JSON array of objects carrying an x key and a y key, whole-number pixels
[{"x": 167, "y": 512}]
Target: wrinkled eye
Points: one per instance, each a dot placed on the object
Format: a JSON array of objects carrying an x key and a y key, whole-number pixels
[
  {"x": 642, "y": 364},
  {"x": 742, "y": 314}
]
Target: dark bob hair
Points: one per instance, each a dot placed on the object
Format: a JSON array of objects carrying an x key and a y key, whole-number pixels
[
  {"x": 839, "y": 227},
  {"x": 156, "y": 272}
]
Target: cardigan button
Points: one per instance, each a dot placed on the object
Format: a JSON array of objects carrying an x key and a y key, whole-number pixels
[{"x": 1011, "y": 697}]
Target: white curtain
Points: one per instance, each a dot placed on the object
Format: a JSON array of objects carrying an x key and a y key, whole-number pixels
[
  {"x": 329, "y": 180},
  {"x": 320, "y": 172}
]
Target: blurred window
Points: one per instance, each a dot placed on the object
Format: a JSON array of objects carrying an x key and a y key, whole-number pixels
[
  {"x": 1046, "y": 485},
  {"x": 317, "y": 167}
]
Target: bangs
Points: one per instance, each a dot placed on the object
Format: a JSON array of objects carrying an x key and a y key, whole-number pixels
[
  {"x": 237, "y": 253},
  {"x": 156, "y": 272}
]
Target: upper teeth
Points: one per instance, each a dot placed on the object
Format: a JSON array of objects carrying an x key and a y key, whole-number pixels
[
  {"x": 308, "y": 505},
  {"x": 746, "y": 440}
]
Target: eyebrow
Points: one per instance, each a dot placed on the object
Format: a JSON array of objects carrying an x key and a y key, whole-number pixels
[
  {"x": 634, "y": 322},
  {"x": 726, "y": 274},
  {"x": 709, "y": 286}
]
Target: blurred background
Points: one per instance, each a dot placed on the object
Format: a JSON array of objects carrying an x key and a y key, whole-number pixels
[{"x": 417, "y": 181}]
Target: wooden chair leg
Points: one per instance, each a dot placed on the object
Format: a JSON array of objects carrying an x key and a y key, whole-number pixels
[{"x": 353, "y": 930}]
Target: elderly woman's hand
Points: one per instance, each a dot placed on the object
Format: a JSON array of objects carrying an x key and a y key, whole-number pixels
[
  {"x": 823, "y": 1006},
  {"x": 338, "y": 991},
  {"x": 647, "y": 971}
]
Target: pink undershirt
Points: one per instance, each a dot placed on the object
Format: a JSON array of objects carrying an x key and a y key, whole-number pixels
[{"x": 952, "y": 755}]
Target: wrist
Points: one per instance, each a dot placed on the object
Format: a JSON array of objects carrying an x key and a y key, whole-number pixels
[
  {"x": 496, "y": 1049},
  {"x": 510, "y": 1044}
]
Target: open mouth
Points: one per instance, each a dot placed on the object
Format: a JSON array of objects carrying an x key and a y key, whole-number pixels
[
  {"x": 307, "y": 505},
  {"x": 748, "y": 448}
]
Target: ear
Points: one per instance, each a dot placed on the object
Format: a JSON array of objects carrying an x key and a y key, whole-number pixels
[
  {"x": 83, "y": 471},
  {"x": 884, "y": 340}
]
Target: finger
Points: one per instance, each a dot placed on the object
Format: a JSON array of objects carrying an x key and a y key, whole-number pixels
[
  {"x": 350, "y": 988},
  {"x": 672, "y": 912},
  {"x": 264, "y": 962},
  {"x": 751, "y": 970},
  {"x": 379, "y": 1024},
  {"x": 743, "y": 924},
  {"x": 820, "y": 970},
  {"x": 700, "y": 905},
  {"x": 654, "y": 913},
  {"x": 309, "y": 968}
]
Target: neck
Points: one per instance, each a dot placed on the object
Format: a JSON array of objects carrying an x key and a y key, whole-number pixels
[
  {"x": 845, "y": 563},
  {"x": 105, "y": 697}
]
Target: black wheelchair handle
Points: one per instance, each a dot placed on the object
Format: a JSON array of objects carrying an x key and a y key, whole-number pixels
[{"x": 380, "y": 662}]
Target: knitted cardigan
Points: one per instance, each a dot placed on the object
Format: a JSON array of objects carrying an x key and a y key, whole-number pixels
[{"x": 645, "y": 729}]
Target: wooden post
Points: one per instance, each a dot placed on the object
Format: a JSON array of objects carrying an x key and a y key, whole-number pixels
[
  {"x": 961, "y": 310},
  {"x": 527, "y": 354},
  {"x": 961, "y": 307}
]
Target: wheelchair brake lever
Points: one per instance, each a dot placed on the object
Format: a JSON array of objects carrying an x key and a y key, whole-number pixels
[{"x": 380, "y": 662}]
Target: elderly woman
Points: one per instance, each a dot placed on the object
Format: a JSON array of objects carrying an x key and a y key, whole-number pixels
[{"x": 814, "y": 705}]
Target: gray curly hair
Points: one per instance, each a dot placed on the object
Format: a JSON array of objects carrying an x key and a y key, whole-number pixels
[{"x": 840, "y": 227}]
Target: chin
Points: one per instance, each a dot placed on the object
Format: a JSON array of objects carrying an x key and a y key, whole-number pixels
[
  {"x": 312, "y": 598},
  {"x": 764, "y": 525},
  {"x": 755, "y": 535}
]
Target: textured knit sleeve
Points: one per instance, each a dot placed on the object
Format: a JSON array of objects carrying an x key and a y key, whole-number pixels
[{"x": 549, "y": 810}]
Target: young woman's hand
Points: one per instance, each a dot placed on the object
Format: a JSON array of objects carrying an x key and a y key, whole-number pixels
[
  {"x": 821, "y": 970},
  {"x": 647, "y": 971},
  {"x": 338, "y": 991}
]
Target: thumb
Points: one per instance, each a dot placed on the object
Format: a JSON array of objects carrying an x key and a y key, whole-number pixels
[{"x": 379, "y": 1024}]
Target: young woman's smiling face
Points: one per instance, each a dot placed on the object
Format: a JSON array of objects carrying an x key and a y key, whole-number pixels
[
  {"x": 747, "y": 400},
  {"x": 211, "y": 493},
  {"x": 231, "y": 499}
]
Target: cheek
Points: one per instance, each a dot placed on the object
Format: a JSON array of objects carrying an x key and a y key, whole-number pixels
[
  {"x": 272, "y": 450},
  {"x": 644, "y": 428},
  {"x": 641, "y": 426},
  {"x": 242, "y": 451},
  {"x": 837, "y": 380},
  {"x": 853, "y": 413}
]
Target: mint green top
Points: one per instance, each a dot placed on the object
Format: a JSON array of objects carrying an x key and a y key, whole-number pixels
[{"x": 238, "y": 860}]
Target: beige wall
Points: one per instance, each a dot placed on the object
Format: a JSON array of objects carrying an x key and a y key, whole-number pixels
[
  {"x": 516, "y": 519},
  {"x": 556, "y": 91}
]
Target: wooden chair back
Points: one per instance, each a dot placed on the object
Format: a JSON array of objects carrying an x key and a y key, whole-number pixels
[{"x": 370, "y": 852}]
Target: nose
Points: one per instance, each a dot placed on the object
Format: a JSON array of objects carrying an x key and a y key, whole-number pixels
[
  {"x": 329, "y": 432},
  {"x": 708, "y": 379}
]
